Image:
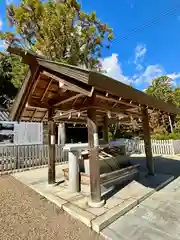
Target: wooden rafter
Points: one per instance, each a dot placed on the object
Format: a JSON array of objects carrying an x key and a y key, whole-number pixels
[
  {"x": 39, "y": 104},
  {"x": 33, "y": 114},
  {"x": 45, "y": 114},
  {"x": 33, "y": 88},
  {"x": 65, "y": 114},
  {"x": 33, "y": 108},
  {"x": 68, "y": 100},
  {"x": 105, "y": 107},
  {"x": 116, "y": 100},
  {"x": 69, "y": 85},
  {"x": 46, "y": 90}
]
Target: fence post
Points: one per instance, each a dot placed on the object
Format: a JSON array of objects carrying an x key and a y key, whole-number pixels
[
  {"x": 17, "y": 157},
  {"x": 172, "y": 147}
]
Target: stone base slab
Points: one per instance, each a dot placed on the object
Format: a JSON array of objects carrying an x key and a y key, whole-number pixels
[{"x": 76, "y": 204}]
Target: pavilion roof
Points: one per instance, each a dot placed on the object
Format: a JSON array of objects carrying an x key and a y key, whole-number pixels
[{"x": 67, "y": 89}]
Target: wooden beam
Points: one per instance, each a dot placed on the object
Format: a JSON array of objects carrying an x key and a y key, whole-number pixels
[
  {"x": 79, "y": 121},
  {"x": 33, "y": 102},
  {"x": 21, "y": 99},
  {"x": 93, "y": 154},
  {"x": 69, "y": 85},
  {"x": 147, "y": 140},
  {"x": 66, "y": 113},
  {"x": 115, "y": 100},
  {"x": 51, "y": 138},
  {"x": 33, "y": 108},
  {"x": 105, "y": 107},
  {"x": 68, "y": 100},
  {"x": 115, "y": 110},
  {"x": 47, "y": 88},
  {"x": 46, "y": 113},
  {"x": 33, "y": 114},
  {"x": 33, "y": 87},
  {"x": 119, "y": 89}
]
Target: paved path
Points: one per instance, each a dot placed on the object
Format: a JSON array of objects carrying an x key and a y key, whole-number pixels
[
  {"x": 158, "y": 217},
  {"x": 26, "y": 215}
]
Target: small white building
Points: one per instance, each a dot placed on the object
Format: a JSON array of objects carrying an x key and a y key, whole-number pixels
[{"x": 22, "y": 133}]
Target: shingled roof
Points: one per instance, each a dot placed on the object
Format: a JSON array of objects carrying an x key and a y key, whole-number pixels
[{"x": 67, "y": 89}]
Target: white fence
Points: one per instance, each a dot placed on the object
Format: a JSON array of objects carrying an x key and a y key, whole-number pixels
[
  {"x": 25, "y": 156},
  {"x": 159, "y": 147}
]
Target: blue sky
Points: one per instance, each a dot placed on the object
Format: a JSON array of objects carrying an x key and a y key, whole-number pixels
[{"x": 144, "y": 54}]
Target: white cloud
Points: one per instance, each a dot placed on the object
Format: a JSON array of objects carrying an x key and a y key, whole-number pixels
[
  {"x": 2, "y": 44},
  {"x": 8, "y": 2},
  {"x": 1, "y": 23},
  {"x": 140, "y": 51},
  {"x": 151, "y": 72},
  {"x": 174, "y": 75},
  {"x": 139, "y": 67},
  {"x": 113, "y": 68}
]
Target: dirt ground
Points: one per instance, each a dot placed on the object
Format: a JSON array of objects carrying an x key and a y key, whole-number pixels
[{"x": 24, "y": 214}]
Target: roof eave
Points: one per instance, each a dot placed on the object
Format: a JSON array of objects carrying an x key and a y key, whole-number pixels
[{"x": 120, "y": 89}]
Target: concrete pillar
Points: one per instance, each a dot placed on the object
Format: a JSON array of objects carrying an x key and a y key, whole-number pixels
[
  {"x": 61, "y": 134},
  {"x": 74, "y": 172},
  {"x": 147, "y": 140}
]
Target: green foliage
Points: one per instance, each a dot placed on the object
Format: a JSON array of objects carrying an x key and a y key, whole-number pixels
[
  {"x": 7, "y": 89},
  {"x": 167, "y": 136},
  {"x": 19, "y": 71},
  {"x": 110, "y": 136},
  {"x": 176, "y": 97},
  {"x": 12, "y": 72},
  {"x": 161, "y": 88},
  {"x": 60, "y": 30}
]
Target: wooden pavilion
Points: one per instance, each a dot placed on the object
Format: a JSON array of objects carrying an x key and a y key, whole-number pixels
[{"x": 56, "y": 92}]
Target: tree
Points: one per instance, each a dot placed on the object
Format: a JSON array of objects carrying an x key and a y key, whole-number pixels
[
  {"x": 19, "y": 70},
  {"x": 12, "y": 72},
  {"x": 7, "y": 89},
  {"x": 161, "y": 88},
  {"x": 59, "y": 30},
  {"x": 176, "y": 97}
]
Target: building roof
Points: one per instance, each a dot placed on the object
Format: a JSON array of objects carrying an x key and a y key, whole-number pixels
[{"x": 67, "y": 89}]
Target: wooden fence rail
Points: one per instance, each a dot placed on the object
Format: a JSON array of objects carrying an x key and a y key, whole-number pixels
[{"x": 26, "y": 156}]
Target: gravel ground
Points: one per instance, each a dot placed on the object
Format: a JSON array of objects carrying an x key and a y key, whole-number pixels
[{"x": 26, "y": 215}]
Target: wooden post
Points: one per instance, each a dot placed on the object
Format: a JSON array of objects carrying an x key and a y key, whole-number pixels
[
  {"x": 93, "y": 154},
  {"x": 147, "y": 140},
  {"x": 105, "y": 129},
  {"x": 51, "y": 138}
]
